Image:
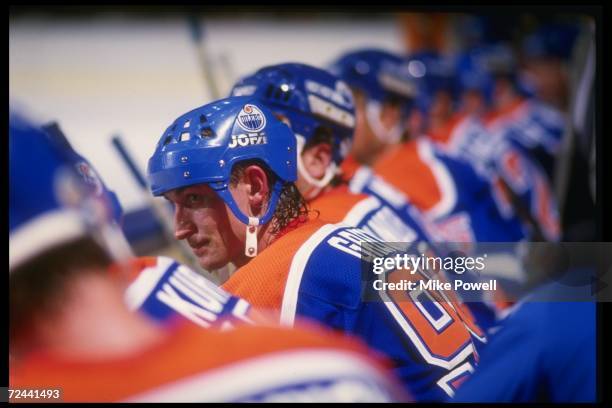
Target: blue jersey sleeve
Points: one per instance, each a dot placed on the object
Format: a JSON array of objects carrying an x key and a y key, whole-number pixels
[
  {"x": 334, "y": 291},
  {"x": 544, "y": 352},
  {"x": 170, "y": 290}
]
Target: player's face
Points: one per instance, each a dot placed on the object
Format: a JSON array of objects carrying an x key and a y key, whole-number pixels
[
  {"x": 205, "y": 222},
  {"x": 441, "y": 106},
  {"x": 366, "y": 145},
  {"x": 549, "y": 79},
  {"x": 472, "y": 102}
]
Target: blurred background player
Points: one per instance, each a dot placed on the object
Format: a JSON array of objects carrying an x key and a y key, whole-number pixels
[
  {"x": 545, "y": 56},
  {"x": 518, "y": 117},
  {"x": 453, "y": 104},
  {"x": 229, "y": 168},
  {"x": 319, "y": 109},
  {"x": 458, "y": 201},
  {"x": 447, "y": 190},
  {"x": 70, "y": 329}
]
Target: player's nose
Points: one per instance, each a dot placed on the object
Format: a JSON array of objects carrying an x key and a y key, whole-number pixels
[{"x": 183, "y": 226}]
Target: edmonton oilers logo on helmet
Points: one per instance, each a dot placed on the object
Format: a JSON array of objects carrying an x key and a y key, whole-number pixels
[
  {"x": 89, "y": 176},
  {"x": 251, "y": 118}
]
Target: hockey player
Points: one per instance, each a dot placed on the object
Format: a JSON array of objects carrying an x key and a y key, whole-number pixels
[
  {"x": 319, "y": 109},
  {"x": 521, "y": 184},
  {"x": 458, "y": 201},
  {"x": 72, "y": 338},
  {"x": 534, "y": 126},
  {"x": 229, "y": 168},
  {"x": 160, "y": 287},
  {"x": 447, "y": 190}
]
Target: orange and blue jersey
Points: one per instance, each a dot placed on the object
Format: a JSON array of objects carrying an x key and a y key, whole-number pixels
[
  {"x": 315, "y": 272},
  {"x": 191, "y": 364},
  {"x": 535, "y": 127},
  {"x": 372, "y": 214},
  {"x": 519, "y": 185},
  {"x": 164, "y": 290},
  {"x": 448, "y": 191},
  {"x": 452, "y": 229}
]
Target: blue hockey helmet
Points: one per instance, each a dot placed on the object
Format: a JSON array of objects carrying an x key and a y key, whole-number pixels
[
  {"x": 477, "y": 68},
  {"x": 432, "y": 74},
  {"x": 382, "y": 76},
  {"x": 49, "y": 204},
  {"x": 203, "y": 145},
  {"x": 379, "y": 73},
  {"x": 551, "y": 40},
  {"x": 90, "y": 176},
  {"x": 310, "y": 98}
]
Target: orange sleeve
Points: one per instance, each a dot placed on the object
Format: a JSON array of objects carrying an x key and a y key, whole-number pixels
[{"x": 334, "y": 205}]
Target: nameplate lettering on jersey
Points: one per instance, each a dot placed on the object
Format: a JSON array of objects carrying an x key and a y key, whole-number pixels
[
  {"x": 350, "y": 241},
  {"x": 193, "y": 297}
]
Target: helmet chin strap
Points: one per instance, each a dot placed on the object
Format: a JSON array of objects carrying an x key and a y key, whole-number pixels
[
  {"x": 250, "y": 248},
  {"x": 388, "y": 136},
  {"x": 252, "y": 223},
  {"x": 315, "y": 185}
]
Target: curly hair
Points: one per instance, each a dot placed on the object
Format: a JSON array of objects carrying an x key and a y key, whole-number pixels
[{"x": 291, "y": 204}]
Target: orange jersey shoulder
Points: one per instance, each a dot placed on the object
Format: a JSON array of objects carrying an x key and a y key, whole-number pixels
[
  {"x": 132, "y": 268},
  {"x": 348, "y": 167},
  {"x": 333, "y": 206},
  {"x": 261, "y": 282},
  {"x": 403, "y": 168}
]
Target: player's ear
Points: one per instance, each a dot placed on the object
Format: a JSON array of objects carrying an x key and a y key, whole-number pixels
[
  {"x": 316, "y": 159},
  {"x": 256, "y": 187}
]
